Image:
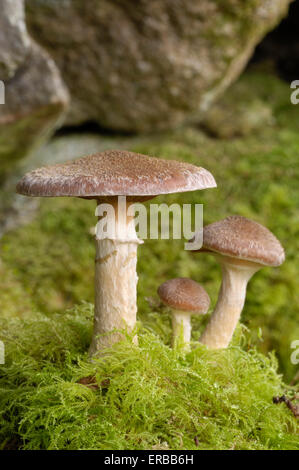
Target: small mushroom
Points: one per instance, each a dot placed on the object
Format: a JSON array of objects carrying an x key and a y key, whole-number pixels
[
  {"x": 185, "y": 297},
  {"x": 104, "y": 177},
  {"x": 242, "y": 247}
]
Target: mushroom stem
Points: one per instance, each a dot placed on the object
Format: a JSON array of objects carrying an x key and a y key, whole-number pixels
[
  {"x": 226, "y": 315},
  {"x": 181, "y": 325},
  {"x": 115, "y": 283}
]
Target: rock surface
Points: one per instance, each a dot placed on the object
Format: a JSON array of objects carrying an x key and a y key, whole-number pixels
[
  {"x": 34, "y": 101},
  {"x": 149, "y": 65},
  {"x": 35, "y": 96},
  {"x": 14, "y": 40}
]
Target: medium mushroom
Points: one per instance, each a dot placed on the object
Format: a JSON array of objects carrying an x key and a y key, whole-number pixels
[
  {"x": 185, "y": 297},
  {"x": 104, "y": 177},
  {"x": 242, "y": 247}
]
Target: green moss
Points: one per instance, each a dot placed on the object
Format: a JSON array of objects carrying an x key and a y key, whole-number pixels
[
  {"x": 146, "y": 397},
  {"x": 48, "y": 266}
]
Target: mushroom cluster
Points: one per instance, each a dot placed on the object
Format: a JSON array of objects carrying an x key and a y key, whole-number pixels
[
  {"x": 120, "y": 178},
  {"x": 242, "y": 247},
  {"x": 104, "y": 177}
]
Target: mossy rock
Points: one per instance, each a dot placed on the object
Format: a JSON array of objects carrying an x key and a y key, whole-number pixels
[{"x": 229, "y": 119}]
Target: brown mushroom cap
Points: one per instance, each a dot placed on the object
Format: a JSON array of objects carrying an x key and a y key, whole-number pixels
[
  {"x": 242, "y": 238},
  {"x": 115, "y": 173},
  {"x": 184, "y": 294}
]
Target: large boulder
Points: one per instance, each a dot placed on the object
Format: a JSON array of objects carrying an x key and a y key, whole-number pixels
[
  {"x": 14, "y": 40},
  {"x": 148, "y": 65},
  {"x": 35, "y": 96}
]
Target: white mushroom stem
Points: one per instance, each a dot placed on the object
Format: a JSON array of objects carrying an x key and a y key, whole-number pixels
[
  {"x": 226, "y": 315},
  {"x": 115, "y": 282},
  {"x": 181, "y": 326}
]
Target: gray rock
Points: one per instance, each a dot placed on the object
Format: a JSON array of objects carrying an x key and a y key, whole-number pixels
[
  {"x": 149, "y": 65},
  {"x": 35, "y": 96},
  {"x": 14, "y": 40},
  {"x": 35, "y": 99}
]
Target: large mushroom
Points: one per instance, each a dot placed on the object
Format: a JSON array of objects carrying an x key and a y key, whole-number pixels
[
  {"x": 184, "y": 297},
  {"x": 104, "y": 177},
  {"x": 242, "y": 247}
]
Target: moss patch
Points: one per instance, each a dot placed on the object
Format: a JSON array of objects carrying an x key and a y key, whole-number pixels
[{"x": 146, "y": 397}]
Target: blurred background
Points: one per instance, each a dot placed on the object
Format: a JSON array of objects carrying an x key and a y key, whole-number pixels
[{"x": 204, "y": 81}]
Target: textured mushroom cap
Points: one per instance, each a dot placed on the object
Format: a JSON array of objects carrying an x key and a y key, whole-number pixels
[
  {"x": 184, "y": 294},
  {"x": 242, "y": 238},
  {"x": 115, "y": 173}
]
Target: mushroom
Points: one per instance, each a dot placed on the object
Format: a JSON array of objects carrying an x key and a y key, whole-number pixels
[
  {"x": 185, "y": 297},
  {"x": 242, "y": 247},
  {"x": 104, "y": 177}
]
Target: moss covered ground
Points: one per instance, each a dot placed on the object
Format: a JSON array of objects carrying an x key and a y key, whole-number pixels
[{"x": 151, "y": 396}]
